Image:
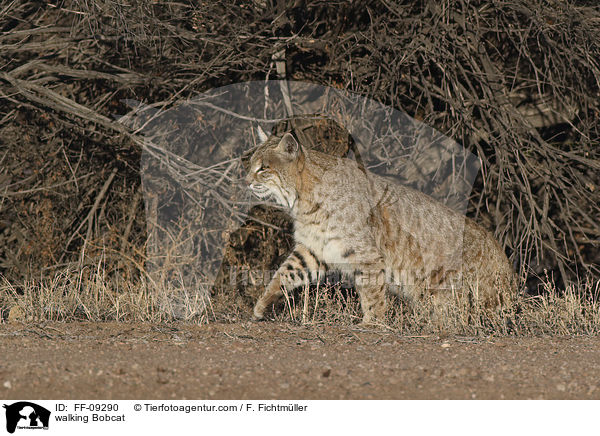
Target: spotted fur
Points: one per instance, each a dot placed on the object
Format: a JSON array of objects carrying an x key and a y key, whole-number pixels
[{"x": 387, "y": 236}]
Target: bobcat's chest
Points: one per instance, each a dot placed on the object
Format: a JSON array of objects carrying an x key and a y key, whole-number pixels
[
  {"x": 314, "y": 237},
  {"x": 326, "y": 245}
]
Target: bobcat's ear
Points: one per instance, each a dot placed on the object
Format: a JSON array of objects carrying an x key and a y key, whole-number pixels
[
  {"x": 289, "y": 145},
  {"x": 262, "y": 136}
]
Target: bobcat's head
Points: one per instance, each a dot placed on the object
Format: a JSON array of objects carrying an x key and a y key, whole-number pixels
[{"x": 273, "y": 170}]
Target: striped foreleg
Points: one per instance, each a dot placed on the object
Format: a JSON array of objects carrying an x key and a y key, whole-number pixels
[{"x": 301, "y": 268}]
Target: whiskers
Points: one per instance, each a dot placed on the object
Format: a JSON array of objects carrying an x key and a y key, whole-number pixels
[{"x": 276, "y": 195}]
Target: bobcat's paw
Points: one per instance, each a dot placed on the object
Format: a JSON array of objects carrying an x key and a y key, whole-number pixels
[
  {"x": 372, "y": 323},
  {"x": 258, "y": 313}
]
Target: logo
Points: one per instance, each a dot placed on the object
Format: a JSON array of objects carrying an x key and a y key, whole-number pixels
[{"x": 26, "y": 415}]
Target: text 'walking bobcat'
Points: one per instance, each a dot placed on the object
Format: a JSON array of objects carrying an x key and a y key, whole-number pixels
[{"x": 388, "y": 237}]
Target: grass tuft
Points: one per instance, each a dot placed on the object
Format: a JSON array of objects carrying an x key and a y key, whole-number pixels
[{"x": 87, "y": 295}]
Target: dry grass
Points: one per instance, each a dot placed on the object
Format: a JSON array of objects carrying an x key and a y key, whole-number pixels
[
  {"x": 88, "y": 295},
  {"x": 574, "y": 311}
]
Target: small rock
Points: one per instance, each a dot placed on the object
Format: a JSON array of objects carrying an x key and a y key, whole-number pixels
[
  {"x": 592, "y": 389},
  {"x": 7, "y": 384},
  {"x": 445, "y": 345},
  {"x": 462, "y": 372},
  {"x": 561, "y": 387},
  {"x": 326, "y": 373}
]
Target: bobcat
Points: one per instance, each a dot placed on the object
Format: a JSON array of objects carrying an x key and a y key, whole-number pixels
[{"x": 385, "y": 235}]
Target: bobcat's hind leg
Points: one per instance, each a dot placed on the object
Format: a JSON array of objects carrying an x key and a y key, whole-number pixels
[{"x": 299, "y": 269}]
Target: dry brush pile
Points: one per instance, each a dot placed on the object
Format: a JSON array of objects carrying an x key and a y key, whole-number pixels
[{"x": 515, "y": 81}]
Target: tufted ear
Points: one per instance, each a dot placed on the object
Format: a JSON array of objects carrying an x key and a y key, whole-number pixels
[
  {"x": 262, "y": 136},
  {"x": 289, "y": 145}
]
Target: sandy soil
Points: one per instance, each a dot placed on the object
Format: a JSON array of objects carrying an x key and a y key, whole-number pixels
[{"x": 283, "y": 361}]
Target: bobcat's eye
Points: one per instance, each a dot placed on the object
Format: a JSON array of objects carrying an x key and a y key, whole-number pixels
[{"x": 261, "y": 170}]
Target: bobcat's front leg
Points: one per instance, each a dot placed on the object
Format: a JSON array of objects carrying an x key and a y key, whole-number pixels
[
  {"x": 372, "y": 291},
  {"x": 299, "y": 269}
]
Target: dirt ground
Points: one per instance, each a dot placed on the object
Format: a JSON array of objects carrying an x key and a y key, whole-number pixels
[{"x": 284, "y": 361}]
